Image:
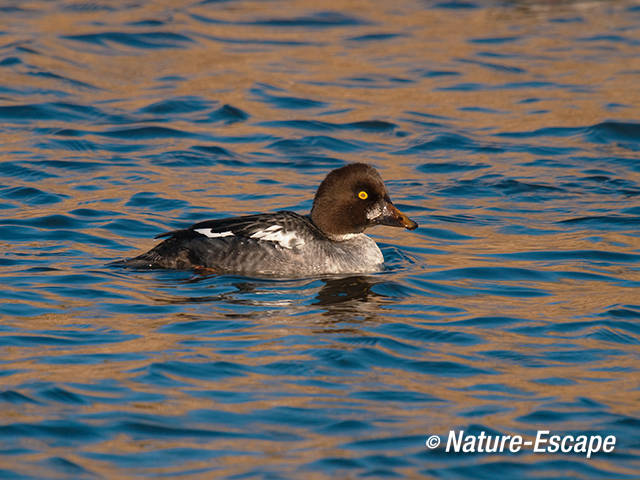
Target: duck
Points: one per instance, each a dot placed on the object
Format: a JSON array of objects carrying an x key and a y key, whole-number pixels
[{"x": 329, "y": 240}]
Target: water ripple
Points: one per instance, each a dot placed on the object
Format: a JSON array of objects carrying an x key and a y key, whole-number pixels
[
  {"x": 151, "y": 40},
  {"x": 512, "y": 308}
]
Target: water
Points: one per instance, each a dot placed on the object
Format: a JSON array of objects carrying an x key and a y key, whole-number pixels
[{"x": 508, "y": 130}]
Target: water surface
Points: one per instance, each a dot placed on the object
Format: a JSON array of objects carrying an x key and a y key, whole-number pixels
[{"x": 508, "y": 130}]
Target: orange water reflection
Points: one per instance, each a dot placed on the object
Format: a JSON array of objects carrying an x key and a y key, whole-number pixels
[{"x": 483, "y": 72}]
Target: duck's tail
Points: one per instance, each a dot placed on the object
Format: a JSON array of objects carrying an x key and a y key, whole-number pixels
[
  {"x": 170, "y": 254},
  {"x": 141, "y": 262}
]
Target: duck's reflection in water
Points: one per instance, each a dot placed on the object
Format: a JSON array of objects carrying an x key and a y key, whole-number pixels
[
  {"x": 338, "y": 291},
  {"x": 329, "y": 300}
]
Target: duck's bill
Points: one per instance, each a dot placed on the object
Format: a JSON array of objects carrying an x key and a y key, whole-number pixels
[{"x": 393, "y": 217}]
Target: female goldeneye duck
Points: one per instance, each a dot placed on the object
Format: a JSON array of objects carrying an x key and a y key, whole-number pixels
[{"x": 328, "y": 241}]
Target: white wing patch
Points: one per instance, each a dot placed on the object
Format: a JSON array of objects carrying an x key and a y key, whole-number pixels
[
  {"x": 208, "y": 233},
  {"x": 276, "y": 233}
]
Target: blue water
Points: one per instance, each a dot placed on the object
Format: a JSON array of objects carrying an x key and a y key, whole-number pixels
[{"x": 508, "y": 130}]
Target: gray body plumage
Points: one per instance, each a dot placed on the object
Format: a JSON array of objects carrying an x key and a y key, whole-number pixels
[{"x": 299, "y": 248}]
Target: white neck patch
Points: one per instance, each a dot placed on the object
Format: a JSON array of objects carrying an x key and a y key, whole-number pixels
[{"x": 345, "y": 236}]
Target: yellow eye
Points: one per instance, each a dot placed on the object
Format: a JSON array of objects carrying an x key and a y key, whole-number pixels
[{"x": 362, "y": 195}]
